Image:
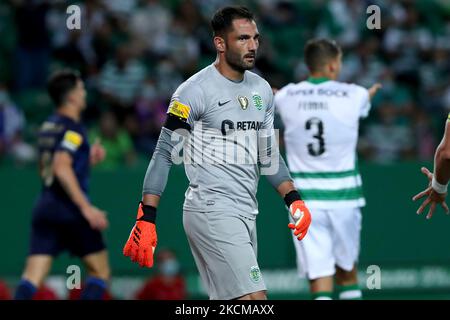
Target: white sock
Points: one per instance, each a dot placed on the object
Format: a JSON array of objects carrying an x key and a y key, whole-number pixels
[
  {"x": 323, "y": 298},
  {"x": 350, "y": 295}
]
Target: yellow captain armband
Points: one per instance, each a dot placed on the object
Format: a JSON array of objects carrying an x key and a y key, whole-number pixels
[{"x": 179, "y": 109}]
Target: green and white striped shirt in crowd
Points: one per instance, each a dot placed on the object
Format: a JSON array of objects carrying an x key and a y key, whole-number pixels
[{"x": 123, "y": 84}]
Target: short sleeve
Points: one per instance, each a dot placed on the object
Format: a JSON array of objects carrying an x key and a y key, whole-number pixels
[
  {"x": 187, "y": 103},
  {"x": 71, "y": 140}
]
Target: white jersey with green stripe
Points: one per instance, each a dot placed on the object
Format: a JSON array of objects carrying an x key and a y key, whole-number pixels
[{"x": 321, "y": 122}]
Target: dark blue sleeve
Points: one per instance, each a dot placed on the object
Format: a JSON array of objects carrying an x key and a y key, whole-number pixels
[{"x": 72, "y": 139}]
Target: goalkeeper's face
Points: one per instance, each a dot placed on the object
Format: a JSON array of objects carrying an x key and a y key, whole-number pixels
[{"x": 242, "y": 44}]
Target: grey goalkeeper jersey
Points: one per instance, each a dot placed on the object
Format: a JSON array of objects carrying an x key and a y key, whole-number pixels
[{"x": 228, "y": 123}]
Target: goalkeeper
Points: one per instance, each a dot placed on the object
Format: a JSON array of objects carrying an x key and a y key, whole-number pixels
[{"x": 221, "y": 108}]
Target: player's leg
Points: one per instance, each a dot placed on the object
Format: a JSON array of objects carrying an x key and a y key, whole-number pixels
[
  {"x": 36, "y": 270},
  {"x": 206, "y": 278},
  {"x": 346, "y": 278},
  {"x": 199, "y": 261},
  {"x": 259, "y": 295},
  {"x": 347, "y": 284},
  {"x": 97, "y": 265},
  {"x": 321, "y": 288},
  {"x": 224, "y": 255},
  {"x": 44, "y": 245},
  {"x": 347, "y": 229},
  {"x": 88, "y": 244},
  {"x": 99, "y": 274},
  {"x": 315, "y": 258}
]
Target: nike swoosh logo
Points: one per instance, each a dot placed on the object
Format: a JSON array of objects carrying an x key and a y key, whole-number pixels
[{"x": 222, "y": 103}]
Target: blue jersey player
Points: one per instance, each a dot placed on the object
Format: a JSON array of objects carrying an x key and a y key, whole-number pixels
[{"x": 63, "y": 216}]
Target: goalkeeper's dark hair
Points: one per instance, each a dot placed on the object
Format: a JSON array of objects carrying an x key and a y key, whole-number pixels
[
  {"x": 60, "y": 84},
  {"x": 318, "y": 52},
  {"x": 222, "y": 20}
]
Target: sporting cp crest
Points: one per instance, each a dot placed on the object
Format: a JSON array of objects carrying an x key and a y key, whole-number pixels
[
  {"x": 243, "y": 101},
  {"x": 257, "y": 101},
  {"x": 255, "y": 274}
]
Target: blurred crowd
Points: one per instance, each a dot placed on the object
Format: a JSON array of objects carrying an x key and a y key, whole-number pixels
[{"x": 133, "y": 54}]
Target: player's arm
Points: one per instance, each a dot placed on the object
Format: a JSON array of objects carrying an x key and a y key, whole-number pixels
[
  {"x": 363, "y": 98},
  {"x": 374, "y": 89},
  {"x": 170, "y": 142},
  {"x": 143, "y": 238},
  {"x": 436, "y": 191},
  {"x": 181, "y": 113},
  {"x": 63, "y": 171},
  {"x": 442, "y": 161},
  {"x": 300, "y": 214},
  {"x": 273, "y": 166}
]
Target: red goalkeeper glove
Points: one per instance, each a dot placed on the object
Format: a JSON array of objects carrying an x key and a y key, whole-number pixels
[
  {"x": 143, "y": 239},
  {"x": 299, "y": 213}
]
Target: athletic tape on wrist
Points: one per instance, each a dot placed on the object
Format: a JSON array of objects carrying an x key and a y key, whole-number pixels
[{"x": 439, "y": 188}]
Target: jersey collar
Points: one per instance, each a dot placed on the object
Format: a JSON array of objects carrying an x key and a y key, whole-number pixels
[
  {"x": 221, "y": 76},
  {"x": 317, "y": 80}
]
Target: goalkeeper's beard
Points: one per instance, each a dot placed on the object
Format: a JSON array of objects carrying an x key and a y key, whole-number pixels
[{"x": 237, "y": 63}]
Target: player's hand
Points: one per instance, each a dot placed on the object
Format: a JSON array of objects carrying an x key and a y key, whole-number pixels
[
  {"x": 95, "y": 217},
  {"x": 142, "y": 241},
  {"x": 98, "y": 152},
  {"x": 373, "y": 89},
  {"x": 302, "y": 218},
  {"x": 433, "y": 198}
]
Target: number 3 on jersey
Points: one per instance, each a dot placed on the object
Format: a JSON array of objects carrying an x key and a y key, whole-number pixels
[{"x": 317, "y": 147}]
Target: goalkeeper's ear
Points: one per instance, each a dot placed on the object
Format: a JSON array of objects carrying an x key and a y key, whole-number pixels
[{"x": 220, "y": 44}]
